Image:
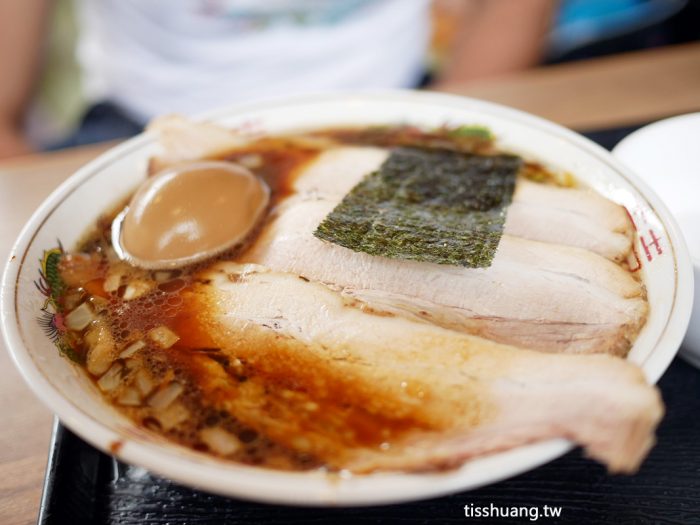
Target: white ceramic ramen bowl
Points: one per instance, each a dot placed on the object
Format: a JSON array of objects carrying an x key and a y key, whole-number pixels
[
  {"x": 77, "y": 203},
  {"x": 666, "y": 155}
]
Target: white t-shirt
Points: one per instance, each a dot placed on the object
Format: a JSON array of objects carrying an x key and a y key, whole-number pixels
[{"x": 158, "y": 56}]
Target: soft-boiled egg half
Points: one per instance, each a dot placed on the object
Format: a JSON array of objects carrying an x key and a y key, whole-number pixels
[{"x": 188, "y": 213}]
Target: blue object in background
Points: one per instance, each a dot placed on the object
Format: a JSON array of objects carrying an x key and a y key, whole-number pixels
[{"x": 583, "y": 22}]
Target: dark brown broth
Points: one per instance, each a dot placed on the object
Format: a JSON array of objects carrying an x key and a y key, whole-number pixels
[{"x": 130, "y": 321}]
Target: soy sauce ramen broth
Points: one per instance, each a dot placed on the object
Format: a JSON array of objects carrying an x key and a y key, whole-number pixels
[{"x": 128, "y": 328}]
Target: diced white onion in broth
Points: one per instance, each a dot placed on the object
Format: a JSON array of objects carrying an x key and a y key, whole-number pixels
[
  {"x": 72, "y": 300},
  {"x": 143, "y": 382},
  {"x": 163, "y": 336},
  {"x": 101, "y": 348},
  {"x": 136, "y": 289},
  {"x": 80, "y": 318},
  {"x": 110, "y": 380},
  {"x": 99, "y": 304},
  {"x": 129, "y": 397},
  {"x": 220, "y": 441},
  {"x": 162, "y": 276},
  {"x": 164, "y": 397},
  {"x": 172, "y": 416},
  {"x": 131, "y": 364},
  {"x": 130, "y": 350},
  {"x": 112, "y": 282}
]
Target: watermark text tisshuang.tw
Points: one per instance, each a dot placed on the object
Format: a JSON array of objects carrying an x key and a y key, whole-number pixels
[{"x": 529, "y": 512}]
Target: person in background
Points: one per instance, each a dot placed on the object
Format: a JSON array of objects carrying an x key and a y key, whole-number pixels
[{"x": 142, "y": 58}]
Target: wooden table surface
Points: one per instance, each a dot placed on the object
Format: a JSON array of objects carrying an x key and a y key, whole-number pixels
[{"x": 610, "y": 92}]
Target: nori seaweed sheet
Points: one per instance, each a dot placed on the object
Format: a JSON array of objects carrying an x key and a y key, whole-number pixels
[{"x": 429, "y": 205}]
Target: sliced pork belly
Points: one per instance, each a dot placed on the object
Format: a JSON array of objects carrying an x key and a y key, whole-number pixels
[
  {"x": 538, "y": 295},
  {"x": 570, "y": 216},
  {"x": 369, "y": 392},
  {"x": 539, "y": 212},
  {"x": 562, "y": 226},
  {"x": 584, "y": 202},
  {"x": 337, "y": 170},
  {"x": 181, "y": 139}
]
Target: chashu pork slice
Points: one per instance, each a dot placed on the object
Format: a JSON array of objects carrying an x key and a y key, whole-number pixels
[
  {"x": 576, "y": 217},
  {"x": 538, "y": 295},
  {"x": 540, "y": 212},
  {"x": 367, "y": 392}
]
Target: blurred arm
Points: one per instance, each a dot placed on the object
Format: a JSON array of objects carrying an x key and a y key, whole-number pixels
[
  {"x": 22, "y": 27},
  {"x": 498, "y": 36}
]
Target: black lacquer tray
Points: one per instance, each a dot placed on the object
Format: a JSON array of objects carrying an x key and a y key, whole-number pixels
[{"x": 84, "y": 485}]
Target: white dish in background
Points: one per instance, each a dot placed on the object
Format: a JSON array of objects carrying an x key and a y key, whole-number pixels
[
  {"x": 666, "y": 154},
  {"x": 77, "y": 203}
]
